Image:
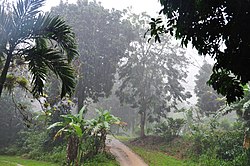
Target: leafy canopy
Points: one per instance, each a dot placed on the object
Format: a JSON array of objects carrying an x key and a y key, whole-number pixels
[
  {"x": 217, "y": 28},
  {"x": 152, "y": 75},
  {"x": 209, "y": 101},
  {"x": 103, "y": 38}
]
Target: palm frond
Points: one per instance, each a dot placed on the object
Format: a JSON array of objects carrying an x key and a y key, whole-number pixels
[
  {"x": 41, "y": 58},
  {"x": 37, "y": 67},
  {"x": 5, "y": 26},
  {"x": 54, "y": 28},
  {"x": 60, "y": 66},
  {"x": 46, "y": 42},
  {"x": 39, "y": 72},
  {"x": 27, "y": 8}
]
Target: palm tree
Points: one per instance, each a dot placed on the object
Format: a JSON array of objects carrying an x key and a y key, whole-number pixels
[{"x": 41, "y": 42}]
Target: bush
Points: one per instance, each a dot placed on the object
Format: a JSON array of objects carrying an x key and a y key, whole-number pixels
[
  {"x": 57, "y": 155},
  {"x": 169, "y": 129},
  {"x": 101, "y": 158},
  {"x": 31, "y": 144},
  {"x": 213, "y": 146}
]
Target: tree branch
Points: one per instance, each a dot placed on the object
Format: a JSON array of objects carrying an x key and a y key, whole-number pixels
[{"x": 4, "y": 72}]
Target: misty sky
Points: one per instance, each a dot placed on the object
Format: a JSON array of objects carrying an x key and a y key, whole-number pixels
[{"x": 150, "y": 6}]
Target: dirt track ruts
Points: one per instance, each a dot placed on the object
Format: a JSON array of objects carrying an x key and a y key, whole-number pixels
[{"x": 123, "y": 154}]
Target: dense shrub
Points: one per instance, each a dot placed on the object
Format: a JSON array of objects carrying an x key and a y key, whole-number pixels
[
  {"x": 214, "y": 146},
  {"x": 100, "y": 158},
  {"x": 169, "y": 129},
  {"x": 31, "y": 144}
]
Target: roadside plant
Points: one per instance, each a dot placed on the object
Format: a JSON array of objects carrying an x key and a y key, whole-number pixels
[
  {"x": 72, "y": 127},
  {"x": 100, "y": 127},
  {"x": 170, "y": 128},
  {"x": 86, "y": 138},
  {"x": 210, "y": 142}
]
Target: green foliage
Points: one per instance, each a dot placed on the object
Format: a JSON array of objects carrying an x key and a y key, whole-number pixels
[
  {"x": 13, "y": 81},
  {"x": 242, "y": 107},
  {"x": 124, "y": 138},
  {"x": 103, "y": 158},
  {"x": 153, "y": 158},
  {"x": 35, "y": 42},
  {"x": 178, "y": 147},
  {"x": 209, "y": 102},
  {"x": 71, "y": 125},
  {"x": 56, "y": 155},
  {"x": 225, "y": 124},
  {"x": 13, "y": 161},
  {"x": 86, "y": 138},
  {"x": 96, "y": 29},
  {"x": 169, "y": 129},
  {"x": 22, "y": 81},
  {"x": 9, "y": 82},
  {"x": 32, "y": 144},
  {"x": 213, "y": 146},
  {"x": 73, "y": 128},
  {"x": 215, "y": 28},
  {"x": 151, "y": 75},
  {"x": 216, "y": 141},
  {"x": 103, "y": 121},
  {"x": 124, "y": 111}
]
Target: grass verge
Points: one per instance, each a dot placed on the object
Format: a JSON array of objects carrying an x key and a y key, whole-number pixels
[
  {"x": 156, "y": 158},
  {"x": 101, "y": 159},
  {"x": 124, "y": 138},
  {"x": 14, "y": 161}
]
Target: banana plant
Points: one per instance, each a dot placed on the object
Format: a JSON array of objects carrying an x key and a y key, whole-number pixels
[
  {"x": 100, "y": 127},
  {"x": 85, "y": 138},
  {"x": 73, "y": 127}
]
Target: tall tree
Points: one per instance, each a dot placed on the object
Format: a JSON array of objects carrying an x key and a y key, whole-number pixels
[
  {"x": 152, "y": 74},
  {"x": 103, "y": 37},
  {"x": 208, "y": 100},
  {"x": 217, "y": 28},
  {"x": 44, "y": 42}
]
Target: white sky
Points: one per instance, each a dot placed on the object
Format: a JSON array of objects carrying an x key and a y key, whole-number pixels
[{"x": 150, "y": 6}]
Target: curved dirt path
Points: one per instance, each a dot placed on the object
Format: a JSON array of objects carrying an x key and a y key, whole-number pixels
[{"x": 123, "y": 154}]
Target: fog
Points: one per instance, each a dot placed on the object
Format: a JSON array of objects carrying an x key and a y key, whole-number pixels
[{"x": 91, "y": 83}]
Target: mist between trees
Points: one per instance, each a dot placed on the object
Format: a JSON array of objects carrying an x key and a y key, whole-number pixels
[{"x": 80, "y": 72}]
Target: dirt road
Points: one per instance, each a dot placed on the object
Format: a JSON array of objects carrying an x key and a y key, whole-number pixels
[{"x": 123, "y": 154}]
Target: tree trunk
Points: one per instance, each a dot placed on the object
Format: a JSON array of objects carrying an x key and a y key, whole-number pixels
[
  {"x": 102, "y": 140},
  {"x": 80, "y": 90},
  {"x": 143, "y": 120},
  {"x": 132, "y": 128},
  {"x": 118, "y": 130},
  {"x": 80, "y": 101},
  {"x": 72, "y": 150},
  {"x": 4, "y": 73}
]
